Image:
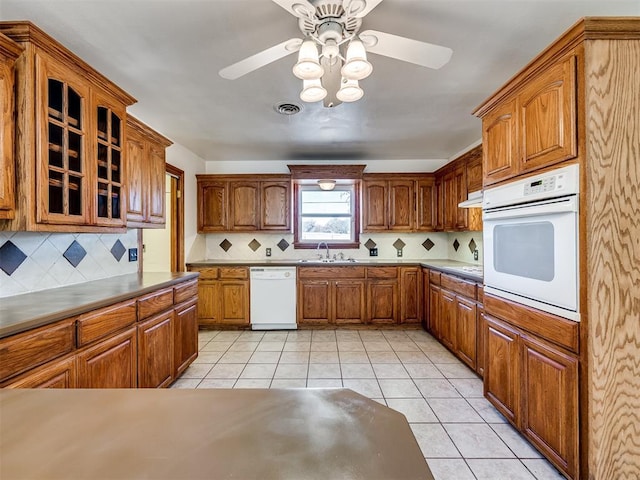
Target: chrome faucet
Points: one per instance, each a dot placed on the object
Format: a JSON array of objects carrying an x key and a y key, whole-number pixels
[{"x": 326, "y": 246}]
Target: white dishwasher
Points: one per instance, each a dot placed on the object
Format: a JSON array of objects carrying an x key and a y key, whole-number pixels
[{"x": 273, "y": 298}]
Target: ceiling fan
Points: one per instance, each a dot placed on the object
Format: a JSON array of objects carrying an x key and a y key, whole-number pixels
[{"x": 333, "y": 27}]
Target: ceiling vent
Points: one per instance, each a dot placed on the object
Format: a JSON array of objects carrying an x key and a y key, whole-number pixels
[{"x": 287, "y": 108}]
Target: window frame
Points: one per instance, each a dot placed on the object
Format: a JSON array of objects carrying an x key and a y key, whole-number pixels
[{"x": 298, "y": 243}]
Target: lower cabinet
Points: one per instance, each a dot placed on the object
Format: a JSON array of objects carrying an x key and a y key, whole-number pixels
[
  {"x": 233, "y": 298},
  {"x": 223, "y": 295},
  {"x": 534, "y": 384},
  {"x": 111, "y": 363},
  {"x": 155, "y": 351},
  {"x": 348, "y": 301},
  {"x": 448, "y": 319},
  {"x": 382, "y": 301},
  {"x": 57, "y": 374},
  {"x": 185, "y": 336},
  {"x": 314, "y": 302},
  {"x": 466, "y": 331},
  {"x": 434, "y": 311},
  {"x": 410, "y": 300}
]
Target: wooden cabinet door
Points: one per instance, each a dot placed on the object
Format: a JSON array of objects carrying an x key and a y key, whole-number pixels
[
  {"x": 550, "y": 406},
  {"x": 474, "y": 171},
  {"x": 481, "y": 330},
  {"x": 208, "y": 302},
  {"x": 499, "y": 143},
  {"x": 234, "y": 300},
  {"x": 426, "y": 207},
  {"x": 382, "y": 301},
  {"x": 314, "y": 302},
  {"x": 449, "y": 196},
  {"x": 434, "y": 311},
  {"x": 185, "y": 336},
  {"x": 245, "y": 205},
  {"x": 375, "y": 202},
  {"x": 425, "y": 300},
  {"x": 439, "y": 203},
  {"x": 109, "y": 364},
  {"x": 156, "y": 195},
  {"x": 447, "y": 323},
  {"x": 410, "y": 298},
  {"x": 460, "y": 214},
  {"x": 276, "y": 206},
  {"x": 63, "y": 176},
  {"x": 466, "y": 331},
  {"x": 136, "y": 178},
  {"x": 212, "y": 206},
  {"x": 56, "y": 374},
  {"x": 7, "y": 139},
  {"x": 155, "y": 351},
  {"x": 548, "y": 122},
  {"x": 402, "y": 210},
  {"x": 349, "y": 301},
  {"x": 502, "y": 368}
]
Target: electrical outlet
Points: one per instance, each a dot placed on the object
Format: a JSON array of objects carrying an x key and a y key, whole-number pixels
[
  {"x": 268, "y": 252},
  {"x": 133, "y": 254},
  {"x": 475, "y": 254},
  {"x": 373, "y": 252},
  {"x": 399, "y": 252}
]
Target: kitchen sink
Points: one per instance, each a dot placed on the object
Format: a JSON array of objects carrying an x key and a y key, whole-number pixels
[{"x": 328, "y": 260}]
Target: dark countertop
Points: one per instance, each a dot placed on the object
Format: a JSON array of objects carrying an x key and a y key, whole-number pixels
[
  {"x": 210, "y": 433},
  {"x": 19, "y": 313},
  {"x": 448, "y": 266}
]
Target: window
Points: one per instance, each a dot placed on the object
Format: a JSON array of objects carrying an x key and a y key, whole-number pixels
[{"x": 326, "y": 216}]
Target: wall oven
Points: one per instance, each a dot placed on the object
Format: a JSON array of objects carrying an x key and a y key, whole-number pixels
[{"x": 531, "y": 241}]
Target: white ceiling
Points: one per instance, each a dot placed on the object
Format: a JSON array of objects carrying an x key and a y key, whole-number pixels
[{"x": 167, "y": 53}]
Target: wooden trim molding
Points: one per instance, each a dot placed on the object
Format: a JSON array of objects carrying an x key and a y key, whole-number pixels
[
  {"x": 316, "y": 172},
  {"x": 177, "y": 219},
  {"x": 147, "y": 131}
]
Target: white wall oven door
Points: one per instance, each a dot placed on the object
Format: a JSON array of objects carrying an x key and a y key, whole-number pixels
[{"x": 531, "y": 254}]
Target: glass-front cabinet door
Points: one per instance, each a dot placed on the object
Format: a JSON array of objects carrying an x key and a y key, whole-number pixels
[
  {"x": 109, "y": 164},
  {"x": 62, "y": 163}
]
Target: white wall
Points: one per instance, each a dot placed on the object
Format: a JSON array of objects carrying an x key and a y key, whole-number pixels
[
  {"x": 179, "y": 156},
  {"x": 157, "y": 241}
]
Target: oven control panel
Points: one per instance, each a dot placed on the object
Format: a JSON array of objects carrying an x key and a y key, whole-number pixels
[{"x": 546, "y": 184}]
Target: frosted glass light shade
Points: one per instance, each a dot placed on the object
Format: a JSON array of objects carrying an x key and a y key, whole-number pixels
[
  {"x": 356, "y": 66},
  {"x": 312, "y": 91},
  {"x": 349, "y": 91},
  {"x": 308, "y": 66},
  {"x": 327, "y": 184}
]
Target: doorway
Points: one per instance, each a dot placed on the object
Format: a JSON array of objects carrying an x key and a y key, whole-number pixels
[{"x": 163, "y": 248}]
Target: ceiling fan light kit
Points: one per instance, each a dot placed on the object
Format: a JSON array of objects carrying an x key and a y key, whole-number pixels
[{"x": 328, "y": 25}]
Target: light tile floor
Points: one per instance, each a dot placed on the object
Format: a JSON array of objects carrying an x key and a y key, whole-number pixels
[{"x": 461, "y": 435}]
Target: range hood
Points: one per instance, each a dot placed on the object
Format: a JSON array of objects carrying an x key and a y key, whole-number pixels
[{"x": 474, "y": 200}]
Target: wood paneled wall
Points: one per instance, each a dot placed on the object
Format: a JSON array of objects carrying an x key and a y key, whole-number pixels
[{"x": 612, "y": 82}]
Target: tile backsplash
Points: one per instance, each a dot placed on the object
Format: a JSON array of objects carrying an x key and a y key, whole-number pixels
[
  {"x": 427, "y": 245},
  {"x": 32, "y": 261}
]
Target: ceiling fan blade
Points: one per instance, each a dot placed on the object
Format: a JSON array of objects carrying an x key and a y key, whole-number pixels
[
  {"x": 357, "y": 4},
  {"x": 297, "y": 8},
  {"x": 405, "y": 49},
  {"x": 260, "y": 59},
  {"x": 331, "y": 81}
]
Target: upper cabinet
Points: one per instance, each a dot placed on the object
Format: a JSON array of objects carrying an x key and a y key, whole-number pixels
[
  {"x": 68, "y": 136},
  {"x": 531, "y": 125},
  {"x": 9, "y": 51},
  {"x": 233, "y": 203},
  {"x": 398, "y": 202},
  {"x": 453, "y": 183},
  {"x": 145, "y": 153}
]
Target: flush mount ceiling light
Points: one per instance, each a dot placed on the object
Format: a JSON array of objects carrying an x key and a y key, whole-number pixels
[
  {"x": 332, "y": 58},
  {"x": 326, "y": 184}
]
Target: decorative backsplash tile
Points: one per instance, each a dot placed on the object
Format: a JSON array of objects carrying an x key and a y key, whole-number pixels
[
  {"x": 456, "y": 244},
  {"x": 32, "y": 261},
  {"x": 472, "y": 245},
  {"x": 74, "y": 253},
  {"x": 254, "y": 244},
  {"x": 370, "y": 244},
  {"x": 225, "y": 245},
  {"x": 399, "y": 244},
  {"x": 283, "y": 244},
  {"x": 428, "y": 244}
]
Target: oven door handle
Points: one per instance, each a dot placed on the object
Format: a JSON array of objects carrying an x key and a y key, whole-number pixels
[{"x": 536, "y": 209}]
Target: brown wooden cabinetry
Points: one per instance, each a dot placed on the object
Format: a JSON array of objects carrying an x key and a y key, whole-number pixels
[
  {"x": 155, "y": 351},
  {"x": 382, "y": 301},
  {"x": 146, "y": 173},
  {"x": 56, "y": 374},
  {"x": 397, "y": 202},
  {"x": 9, "y": 51},
  {"x": 185, "y": 336},
  {"x": 244, "y": 203},
  {"x": 410, "y": 295},
  {"x": 69, "y": 174},
  {"x": 349, "y": 301},
  {"x": 500, "y": 143},
  {"x": 314, "y": 301},
  {"x": 223, "y": 294}
]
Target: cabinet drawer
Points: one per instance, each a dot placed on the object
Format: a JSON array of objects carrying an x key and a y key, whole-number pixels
[
  {"x": 206, "y": 273},
  {"x": 185, "y": 291},
  {"x": 331, "y": 273},
  {"x": 382, "y": 272},
  {"x": 100, "y": 323},
  {"x": 434, "y": 277},
  {"x": 155, "y": 302},
  {"x": 24, "y": 351},
  {"x": 240, "y": 273},
  {"x": 459, "y": 286}
]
